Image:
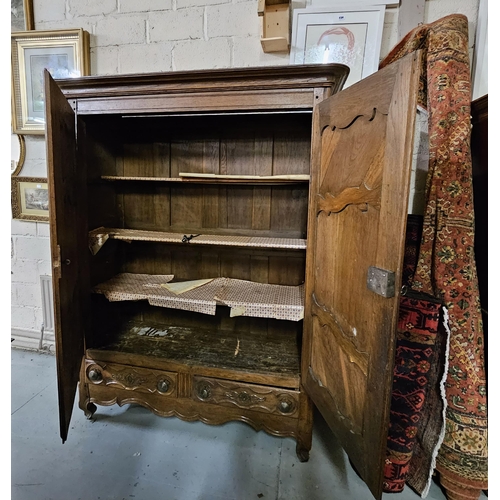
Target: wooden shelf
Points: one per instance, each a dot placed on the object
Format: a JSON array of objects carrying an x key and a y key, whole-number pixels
[
  {"x": 99, "y": 236},
  {"x": 227, "y": 179},
  {"x": 206, "y": 347},
  {"x": 132, "y": 178},
  {"x": 245, "y": 298}
]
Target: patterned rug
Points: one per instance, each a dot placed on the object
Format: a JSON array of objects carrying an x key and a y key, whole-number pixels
[
  {"x": 446, "y": 266},
  {"x": 415, "y": 354},
  {"x": 417, "y": 362}
]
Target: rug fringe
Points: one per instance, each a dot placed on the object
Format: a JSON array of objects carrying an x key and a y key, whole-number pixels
[{"x": 442, "y": 390}]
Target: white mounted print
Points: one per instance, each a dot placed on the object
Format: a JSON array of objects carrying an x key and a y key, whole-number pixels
[{"x": 346, "y": 35}]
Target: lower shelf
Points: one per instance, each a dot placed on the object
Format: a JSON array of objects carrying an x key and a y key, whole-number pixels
[{"x": 274, "y": 355}]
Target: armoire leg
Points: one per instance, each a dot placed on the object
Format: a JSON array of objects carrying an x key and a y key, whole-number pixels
[
  {"x": 89, "y": 409},
  {"x": 84, "y": 402},
  {"x": 304, "y": 427},
  {"x": 302, "y": 452}
]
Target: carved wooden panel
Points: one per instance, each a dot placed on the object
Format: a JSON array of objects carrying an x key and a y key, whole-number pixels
[
  {"x": 131, "y": 378},
  {"x": 254, "y": 397},
  {"x": 190, "y": 410},
  {"x": 347, "y": 207},
  {"x": 361, "y": 163}
]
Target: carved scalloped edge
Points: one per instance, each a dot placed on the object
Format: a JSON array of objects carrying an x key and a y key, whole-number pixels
[
  {"x": 352, "y": 120},
  {"x": 258, "y": 426},
  {"x": 359, "y": 196}
]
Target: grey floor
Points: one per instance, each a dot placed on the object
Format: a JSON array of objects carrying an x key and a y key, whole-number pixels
[{"x": 128, "y": 453}]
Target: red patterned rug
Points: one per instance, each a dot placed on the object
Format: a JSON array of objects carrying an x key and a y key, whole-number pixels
[
  {"x": 446, "y": 266},
  {"x": 415, "y": 354},
  {"x": 417, "y": 369}
]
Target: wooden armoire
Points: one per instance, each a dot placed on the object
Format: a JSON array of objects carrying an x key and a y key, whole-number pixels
[{"x": 228, "y": 245}]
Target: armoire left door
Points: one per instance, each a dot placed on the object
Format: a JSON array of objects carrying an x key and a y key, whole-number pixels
[{"x": 68, "y": 241}]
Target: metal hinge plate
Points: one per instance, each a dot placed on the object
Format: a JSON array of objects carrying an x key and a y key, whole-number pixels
[{"x": 381, "y": 282}]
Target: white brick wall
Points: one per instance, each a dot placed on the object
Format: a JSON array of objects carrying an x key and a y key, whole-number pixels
[
  {"x": 131, "y": 36},
  {"x": 182, "y": 24},
  {"x": 194, "y": 54},
  {"x": 233, "y": 20},
  {"x": 143, "y": 5},
  {"x": 144, "y": 58},
  {"x": 80, "y": 8},
  {"x": 110, "y": 30},
  {"x": 30, "y": 257}
]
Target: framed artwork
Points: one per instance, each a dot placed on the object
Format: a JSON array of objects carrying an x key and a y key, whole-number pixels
[
  {"x": 352, "y": 3},
  {"x": 350, "y": 35},
  {"x": 17, "y": 153},
  {"x": 30, "y": 199},
  {"x": 21, "y": 15},
  {"x": 65, "y": 53}
]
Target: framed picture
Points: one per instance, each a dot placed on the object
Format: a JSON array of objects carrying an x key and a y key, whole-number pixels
[
  {"x": 350, "y": 35},
  {"x": 352, "y": 3},
  {"x": 65, "y": 53},
  {"x": 17, "y": 153},
  {"x": 21, "y": 15},
  {"x": 30, "y": 199}
]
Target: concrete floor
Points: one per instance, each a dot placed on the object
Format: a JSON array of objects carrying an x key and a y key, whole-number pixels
[{"x": 129, "y": 453}]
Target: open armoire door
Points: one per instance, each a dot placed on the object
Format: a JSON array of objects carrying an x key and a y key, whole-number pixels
[
  {"x": 68, "y": 236},
  {"x": 360, "y": 173}
]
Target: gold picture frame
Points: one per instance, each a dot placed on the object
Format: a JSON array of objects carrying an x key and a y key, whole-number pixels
[
  {"x": 30, "y": 199},
  {"x": 21, "y": 15},
  {"x": 65, "y": 53},
  {"x": 18, "y": 154}
]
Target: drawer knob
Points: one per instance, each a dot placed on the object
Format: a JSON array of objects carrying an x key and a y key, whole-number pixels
[
  {"x": 203, "y": 391},
  {"x": 95, "y": 375},
  {"x": 286, "y": 406},
  {"x": 244, "y": 397},
  {"x": 163, "y": 385}
]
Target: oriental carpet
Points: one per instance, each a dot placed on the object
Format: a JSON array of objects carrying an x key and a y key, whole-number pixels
[
  {"x": 417, "y": 370},
  {"x": 416, "y": 339},
  {"x": 446, "y": 267}
]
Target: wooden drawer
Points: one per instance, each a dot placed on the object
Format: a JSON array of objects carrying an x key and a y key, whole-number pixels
[
  {"x": 249, "y": 396},
  {"x": 131, "y": 378}
]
